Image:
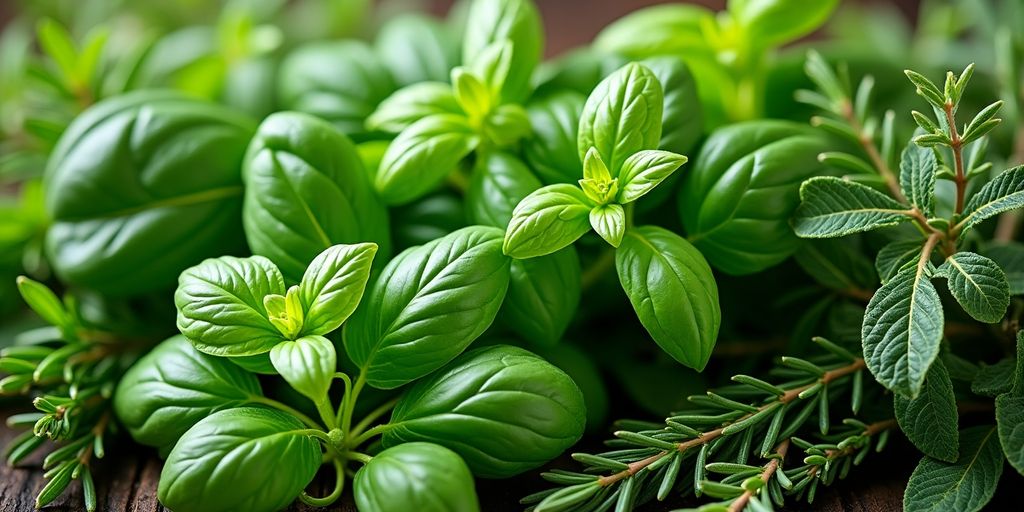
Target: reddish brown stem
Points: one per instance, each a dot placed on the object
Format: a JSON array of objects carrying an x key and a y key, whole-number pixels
[{"x": 960, "y": 177}]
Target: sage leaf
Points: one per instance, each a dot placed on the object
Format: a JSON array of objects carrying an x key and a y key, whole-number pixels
[
  {"x": 424, "y": 477},
  {"x": 930, "y": 420},
  {"x": 965, "y": 485},
  {"x": 978, "y": 284},
  {"x": 308, "y": 365},
  {"x": 220, "y": 305},
  {"x": 1010, "y": 413},
  {"x": 543, "y": 294},
  {"x": 902, "y": 331},
  {"x": 622, "y": 116},
  {"x": 672, "y": 291},
  {"x": 522, "y": 410},
  {"x": 422, "y": 156},
  {"x": 232, "y": 460},
  {"x": 428, "y": 305},
  {"x": 1010, "y": 258},
  {"x": 547, "y": 220},
  {"x": 173, "y": 387},
  {"x": 833, "y": 207},
  {"x": 992, "y": 380},
  {"x": 896, "y": 256},
  {"x": 917, "y": 177},
  {"x": 333, "y": 285},
  {"x": 306, "y": 190},
  {"x": 1004, "y": 193}
]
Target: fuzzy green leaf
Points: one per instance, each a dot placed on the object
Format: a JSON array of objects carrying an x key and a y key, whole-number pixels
[
  {"x": 902, "y": 330},
  {"x": 930, "y": 420},
  {"x": 917, "y": 177},
  {"x": 1010, "y": 413},
  {"x": 993, "y": 380},
  {"x": 833, "y": 207},
  {"x": 965, "y": 485},
  {"x": 1005, "y": 192},
  {"x": 1010, "y": 258},
  {"x": 897, "y": 256},
  {"x": 978, "y": 284}
]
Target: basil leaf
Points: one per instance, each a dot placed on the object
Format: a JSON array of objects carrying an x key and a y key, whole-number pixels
[
  {"x": 674, "y": 29},
  {"x": 551, "y": 150},
  {"x": 332, "y": 286},
  {"x": 547, "y": 220},
  {"x": 412, "y": 103},
  {"x": 233, "y": 460},
  {"x": 584, "y": 371},
  {"x": 220, "y": 305},
  {"x": 491, "y": 21},
  {"x": 902, "y": 331},
  {"x": 173, "y": 387},
  {"x": 966, "y": 485},
  {"x": 124, "y": 190},
  {"x": 308, "y": 364},
  {"x": 428, "y": 219},
  {"x": 978, "y": 284},
  {"x": 339, "y": 81},
  {"x": 622, "y": 116},
  {"x": 609, "y": 221},
  {"x": 930, "y": 420},
  {"x": 1004, "y": 193},
  {"x": 417, "y": 48},
  {"x": 737, "y": 201},
  {"x": 673, "y": 292},
  {"x": 776, "y": 22},
  {"x": 543, "y": 294},
  {"x": 427, "y": 306},
  {"x": 306, "y": 190},
  {"x": 424, "y": 477},
  {"x": 644, "y": 170},
  {"x": 682, "y": 123},
  {"x": 917, "y": 177},
  {"x": 499, "y": 183},
  {"x": 422, "y": 155},
  {"x": 522, "y": 411},
  {"x": 578, "y": 70}
]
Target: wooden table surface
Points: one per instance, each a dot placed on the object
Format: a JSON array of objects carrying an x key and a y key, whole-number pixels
[{"x": 126, "y": 481}]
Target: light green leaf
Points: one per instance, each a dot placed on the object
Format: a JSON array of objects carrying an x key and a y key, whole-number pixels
[
  {"x": 549, "y": 219},
  {"x": 57, "y": 43},
  {"x": 412, "y": 103},
  {"x": 499, "y": 182},
  {"x": 506, "y": 125},
  {"x": 902, "y": 331},
  {"x": 978, "y": 284},
  {"x": 609, "y": 221},
  {"x": 1004, "y": 193},
  {"x": 669, "y": 29},
  {"x": 917, "y": 177},
  {"x": 543, "y": 294},
  {"x": 672, "y": 291},
  {"x": 417, "y": 48},
  {"x": 644, "y": 170},
  {"x": 622, "y": 116},
  {"x": 897, "y": 256},
  {"x": 833, "y": 207},
  {"x": 44, "y": 302},
  {"x": 930, "y": 420},
  {"x": 220, "y": 305},
  {"x": 333, "y": 285},
  {"x": 492, "y": 66},
  {"x": 518, "y": 21},
  {"x": 422, "y": 155},
  {"x": 776, "y": 22},
  {"x": 965, "y": 485},
  {"x": 594, "y": 167},
  {"x": 308, "y": 364},
  {"x": 472, "y": 94},
  {"x": 427, "y": 306}
]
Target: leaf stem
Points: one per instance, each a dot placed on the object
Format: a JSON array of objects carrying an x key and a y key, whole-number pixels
[
  {"x": 323, "y": 406},
  {"x": 358, "y": 456},
  {"x": 375, "y": 431},
  {"x": 347, "y": 391},
  {"x": 956, "y": 145},
  {"x": 257, "y": 399},
  {"x": 339, "y": 486},
  {"x": 350, "y": 403},
  {"x": 373, "y": 416}
]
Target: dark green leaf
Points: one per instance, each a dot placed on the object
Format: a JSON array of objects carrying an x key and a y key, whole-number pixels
[
  {"x": 500, "y": 181},
  {"x": 422, "y": 155},
  {"x": 1004, "y": 193},
  {"x": 917, "y": 177},
  {"x": 424, "y": 477},
  {"x": 978, "y": 284},
  {"x": 930, "y": 420},
  {"x": 833, "y": 207},
  {"x": 542, "y": 297},
  {"x": 897, "y": 256},
  {"x": 1010, "y": 258},
  {"x": 992, "y": 380},
  {"x": 551, "y": 150},
  {"x": 965, "y": 485}
]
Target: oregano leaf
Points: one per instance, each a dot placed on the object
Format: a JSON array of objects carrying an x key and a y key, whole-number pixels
[
  {"x": 978, "y": 284},
  {"x": 966, "y": 485},
  {"x": 930, "y": 420},
  {"x": 833, "y": 207},
  {"x": 917, "y": 177}
]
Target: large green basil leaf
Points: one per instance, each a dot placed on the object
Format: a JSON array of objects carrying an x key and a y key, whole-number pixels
[
  {"x": 551, "y": 150},
  {"x": 333, "y": 285},
  {"x": 421, "y": 477},
  {"x": 148, "y": 181},
  {"x": 579, "y": 70},
  {"x": 674, "y": 29},
  {"x": 622, "y": 116},
  {"x": 412, "y": 103},
  {"x": 220, "y": 305},
  {"x": 340, "y": 81},
  {"x": 419, "y": 159},
  {"x": 427, "y": 306},
  {"x": 417, "y": 48},
  {"x": 521, "y": 410},
  {"x": 543, "y": 294},
  {"x": 673, "y": 292},
  {"x": 308, "y": 364},
  {"x": 428, "y": 219},
  {"x": 173, "y": 387},
  {"x": 682, "y": 122},
  {"x": 776, "y": 22},
  {"x": 737, "y": 199},
  {"x": 499, "y": 182},
  {"x": 492, "y": 21},
  {"x": 306, "y": 190},
  {"x": 251, "y": 86},
  {"x": 547, "y": 220},
  {"x": 584, "y": 371},
  {"x": 239, "y": 459}
]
